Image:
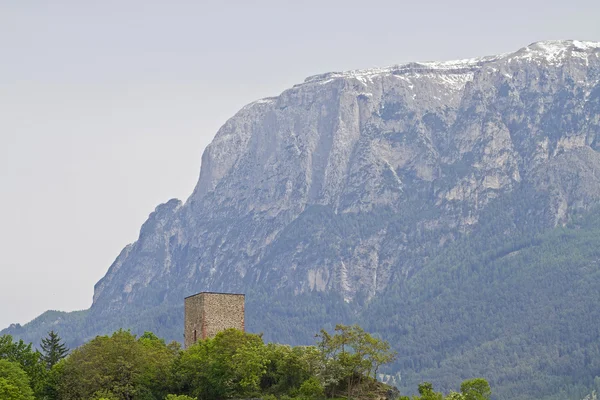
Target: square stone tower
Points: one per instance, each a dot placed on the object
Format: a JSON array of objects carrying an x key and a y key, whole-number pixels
[{"x": 208, "y": 313}]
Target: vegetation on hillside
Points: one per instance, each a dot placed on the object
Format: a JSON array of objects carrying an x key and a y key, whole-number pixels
[
  {"x": 510, "y": 302},
  {"x": 520, "y": 313},
  {"x": 232, "y": 365},
  {"x": 14, "y": 382}
]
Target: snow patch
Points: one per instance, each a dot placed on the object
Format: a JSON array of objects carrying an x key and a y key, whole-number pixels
[
  {"x": 552, "y": 51},
  {"x": 557, "y": 51}
]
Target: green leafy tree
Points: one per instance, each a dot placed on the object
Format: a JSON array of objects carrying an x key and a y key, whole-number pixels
[
  {"x": 52, "y": 382},
  {"x": 53, "y": 350},
  {"x": 311, "y": 389},
  {"x": 455, "y": 396},
  {"x": 232, "y": 364},
  {"x": 349, "y": 355},
  {"x": 28, "y": 359},
  {"x": 14, "y": 382},
  {"x": 104, "y": 395},
  {"x": 476, "y": 389},
  {"x": 427, "y": 393},
  {"x": 119, "y": 365},
  {"x": 158, "y": 359},
  {"x": 249, "y": 366},
  {"x": 288, "y": 367},
  {"x": 178, "y": 397}
]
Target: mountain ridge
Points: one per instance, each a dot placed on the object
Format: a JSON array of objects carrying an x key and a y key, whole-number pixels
[
  {"x": 335, "y": 195},
  {"x": 548, "y": 50}
]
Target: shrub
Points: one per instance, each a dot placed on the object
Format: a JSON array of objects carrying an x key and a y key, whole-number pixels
[
  {"x": 311, "y": 389},
  {"x": 178, "y": 397}
]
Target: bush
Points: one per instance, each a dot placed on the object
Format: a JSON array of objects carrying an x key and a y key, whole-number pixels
[
  {"x": 14, "y": 382},
  {"x": 311, "y": 389},
  {"x": 104, "y": 395},
  {"x": 178, "y": 397}
]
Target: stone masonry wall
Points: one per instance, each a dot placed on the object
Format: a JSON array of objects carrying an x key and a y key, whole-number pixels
[{"x": 207, "y": 314}]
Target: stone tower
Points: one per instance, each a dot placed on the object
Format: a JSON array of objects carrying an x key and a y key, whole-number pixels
[{"x": 208, "y": 313}]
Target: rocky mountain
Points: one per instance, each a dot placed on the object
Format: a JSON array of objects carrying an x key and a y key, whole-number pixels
[
  {"x": 334, "y": 197},
  {"x": 449, "y": 137}
]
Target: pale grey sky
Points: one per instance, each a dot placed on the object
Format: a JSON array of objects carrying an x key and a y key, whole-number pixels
[{"x": 106, "y": 106}]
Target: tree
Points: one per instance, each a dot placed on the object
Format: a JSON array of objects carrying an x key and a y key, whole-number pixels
[
  {"x": 455, "y": 396},
  {"x": 427, "y": 393},
  {"x": 349, "y": 355},
  {"x": 232, "y": 364},
  {"x": 249, "y": 365},
  {"x": 28, "y": 359},
  {"x": 425, "y": 387},
  {"x": 288, "y": 367},
  {"x": 311, "y": 389},
  {"x": 52, "y": 382},
  {"x": 53, "y": 350},
  {"x": 118, "y": 366},
  {"x": 158, "y": 359},
  {"x": 476, "y": 389},
  {"x": 378, "y": 353},
  {"x": 14, "y": 382}
]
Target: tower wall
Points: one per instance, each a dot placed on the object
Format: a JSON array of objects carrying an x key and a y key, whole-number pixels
[{"x": 207, "y": 314}]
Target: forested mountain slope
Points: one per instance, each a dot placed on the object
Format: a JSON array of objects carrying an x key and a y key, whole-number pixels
[
  {"x": 427, "y": 201},
  {"x": 523, "y": 313}
]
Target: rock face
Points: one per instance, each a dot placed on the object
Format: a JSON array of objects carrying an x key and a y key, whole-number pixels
[
  {"x": 349, "y": 182},
  {"x": 393, "y": 197},
  {"x": 420, "y": 150}
]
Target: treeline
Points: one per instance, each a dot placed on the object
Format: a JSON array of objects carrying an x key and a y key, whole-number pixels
[
  {"x": 522, "y": 314},
  {"x": 513, "y": 303},
  {"x": 232, "y": 365}
]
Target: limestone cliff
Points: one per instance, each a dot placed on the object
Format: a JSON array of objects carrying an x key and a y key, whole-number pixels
[
  {"x": 425, "y": 201},
  {"x": 425, "y": 145},
  {"x": 345, "y": 185}
]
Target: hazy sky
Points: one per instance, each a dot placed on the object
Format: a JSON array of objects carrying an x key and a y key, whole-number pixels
[{"x": 106, "y": 106}]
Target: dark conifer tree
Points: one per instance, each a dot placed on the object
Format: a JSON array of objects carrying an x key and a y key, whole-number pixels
[{"x": 53, "y": 350}]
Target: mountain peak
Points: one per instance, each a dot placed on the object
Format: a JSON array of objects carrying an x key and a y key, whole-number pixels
[
  {"x": 356, "y": 188},
  {"x": 550, "y": 50},
  {"x": 452, "y": 66},
  {"x": 560, "y": 45},
  {"x": 557, "y": 51}
]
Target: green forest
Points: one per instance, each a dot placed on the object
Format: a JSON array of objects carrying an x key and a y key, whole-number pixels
[
  {"x": 523, "y": 312},
  {"x": 232, "y": 365},
  {"x": 510, "y": 301}
]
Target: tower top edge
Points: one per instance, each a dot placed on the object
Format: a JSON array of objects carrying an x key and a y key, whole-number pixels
[{"x": 218, "y": 293}]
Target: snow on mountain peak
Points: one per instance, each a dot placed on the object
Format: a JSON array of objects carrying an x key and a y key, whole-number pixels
[
  {"x": 556, "y": 51},
  {"x": 451, "y": 67},
  {"x": 552, "y": 51},
  {"x": 454, "y": 74}
]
